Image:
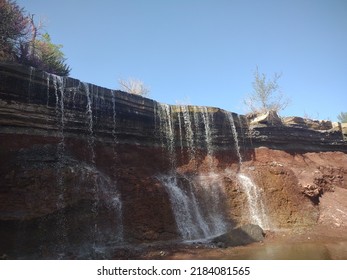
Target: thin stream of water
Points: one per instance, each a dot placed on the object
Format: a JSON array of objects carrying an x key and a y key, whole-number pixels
[{"x": 256, "y": 209}]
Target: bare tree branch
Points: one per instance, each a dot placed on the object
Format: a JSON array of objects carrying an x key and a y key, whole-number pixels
[{"x": 134, "y": 86}]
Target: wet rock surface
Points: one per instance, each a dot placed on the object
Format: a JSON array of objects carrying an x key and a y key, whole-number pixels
[{"x": 80, "y": 168}]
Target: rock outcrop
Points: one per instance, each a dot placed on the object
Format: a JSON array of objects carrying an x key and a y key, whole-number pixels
[
  {"x": 84, "y": 168},
  {"x": 239, "y": 236},
  {"x": 296, "y": 134}
]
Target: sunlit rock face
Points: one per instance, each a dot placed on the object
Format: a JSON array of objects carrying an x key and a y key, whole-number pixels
[{"x": 84, "y": 169}]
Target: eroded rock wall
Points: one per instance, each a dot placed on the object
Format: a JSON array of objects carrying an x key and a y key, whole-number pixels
[{"x": 81, "y": 165}]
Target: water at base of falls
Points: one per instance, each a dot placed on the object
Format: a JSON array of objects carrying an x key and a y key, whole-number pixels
[{"x": 196, "y": 207}]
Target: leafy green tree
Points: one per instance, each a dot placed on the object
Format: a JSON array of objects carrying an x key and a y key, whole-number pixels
[
  {"x": 342, "y": 117},
  {"x": 49, "y": 57},
  {"x": 21, "y": 41},
  {"x": 266, "y": 95},
  {"x": 14, "y": 28}
]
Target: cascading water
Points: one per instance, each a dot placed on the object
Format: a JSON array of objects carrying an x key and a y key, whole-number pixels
[
  {"x": 234, "y": 132},
  {"x": 58, "y": 83},
  {"x": 207, "y": 126},
  {"x": 188, "y": 131},
  {"x": 211, "y": 186},
  {"x": 187, "y": 213},
  {"x": 208, "y": 137},
  {"x": 89, "y": 116},
  {"x": 108, "y": 193},
  {"x": 211, "y": 183},
  {"x": 167, "y": 132},
  {"x": 189, "y": 219},
  {"x": 180, "y": 131},
  {"x": 196, "y": 205},
  {"x": 256, "y": 209},
  {"x": 242, "y": 133},
  {"x": 195, "y": 199},
  {"x": 91, "y": 142},
  {"x": 47, "y": 85},
  {"x": 114, "y": 119},
  {"x": 104, "y": 190}
]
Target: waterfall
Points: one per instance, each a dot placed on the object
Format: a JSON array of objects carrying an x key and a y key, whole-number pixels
[
  {"x": 59, "y": 87},
  {"x": 180, "y": 131},
  {"x": 208, "y": 136},
  {"x": 211, "y": 186},
  {"x": 47, "y": 85},
  {"x": 234, "y": 132},
  {"x": 256, "y": 209},
  {"x": 207, "y": 126},
  {"x": 114, "y": 119},
  {"x": 89, "y": 115},
  {"x": 167, "y": 132},
  {"x": 104, "y": 189},
  {"x": 108, "y": 193},
  {"x": 186, "y": 209},
  {"x": 195, "y": 199},
  {"x": 115, "y": 199},
  {"x": 242, "y": 133},
  {"x": 58, "y": 83},
  {"x": 188, "y": 131}
]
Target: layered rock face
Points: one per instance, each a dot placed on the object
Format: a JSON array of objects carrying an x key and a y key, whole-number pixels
[{"x": 84, "y": 168}]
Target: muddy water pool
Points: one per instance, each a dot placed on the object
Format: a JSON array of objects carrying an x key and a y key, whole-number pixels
[{"x": 270, "y": 251}]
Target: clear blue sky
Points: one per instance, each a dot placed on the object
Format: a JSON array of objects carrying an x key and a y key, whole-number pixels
[{"x": 204, "y": 52}]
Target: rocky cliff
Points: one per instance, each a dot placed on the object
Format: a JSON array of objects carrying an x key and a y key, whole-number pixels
[{"x": 84, "y": 168}]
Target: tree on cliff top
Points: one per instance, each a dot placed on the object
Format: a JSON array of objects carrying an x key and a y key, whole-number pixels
[
  {"x": 266, "y": 95},
  {"x": 134, "y": 86},
  {"x": 13, "y": 29},
  {"x": 342, "y": 117},
  {"x": 43, "y": 54},
  {"x": 21, "y": 41}
]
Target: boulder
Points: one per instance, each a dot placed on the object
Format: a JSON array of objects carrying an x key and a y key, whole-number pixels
[
  {"x": 269, "y": 118},
  {"x": 336, "y": 126},
  {"x": 312, "y": 190},
  {"x": 294, "y": 121},
  {"x": 308, "y": 123},
  {"x": 318, "y": 125},
  {"x": 242, "y": 235},
  {"x": 325, "y": 125},
  {"x": 344, "y": 130}
]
